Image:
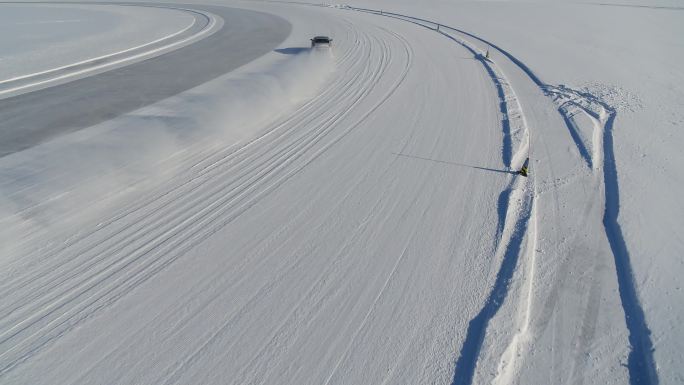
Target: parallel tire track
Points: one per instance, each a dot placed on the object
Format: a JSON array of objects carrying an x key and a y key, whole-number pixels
[{"x": 132, "y": 247}]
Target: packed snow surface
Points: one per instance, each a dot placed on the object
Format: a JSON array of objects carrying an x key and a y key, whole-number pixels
[{"x": 353, "y": 215}]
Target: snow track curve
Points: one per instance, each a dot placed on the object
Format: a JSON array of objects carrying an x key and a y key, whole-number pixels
[
  {"x": 77, "y": 284},
  {"x": 373, "y": 234},
  {"x": 600, "y": 116},
  {"x": 348, "y": 207}
]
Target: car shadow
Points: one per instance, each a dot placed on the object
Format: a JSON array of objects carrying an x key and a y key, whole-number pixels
[{"x": 292, "y": 50}]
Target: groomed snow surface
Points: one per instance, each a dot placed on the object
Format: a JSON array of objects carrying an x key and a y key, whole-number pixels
[{"x": 352, "y": 215}]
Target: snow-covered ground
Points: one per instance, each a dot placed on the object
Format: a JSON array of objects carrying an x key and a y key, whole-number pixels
[
  {"x": 622, "y": 60},
  {"x": 351, "y": 215}
]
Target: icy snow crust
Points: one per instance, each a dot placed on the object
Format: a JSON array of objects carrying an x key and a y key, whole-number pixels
[
  {"x": 353, "y": 215},
  {"x": 219, "y": 45},
  {"x": 40, "y": 37}
]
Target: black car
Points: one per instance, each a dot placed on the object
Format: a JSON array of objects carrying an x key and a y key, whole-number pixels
[{"x": 321, "y": 41}]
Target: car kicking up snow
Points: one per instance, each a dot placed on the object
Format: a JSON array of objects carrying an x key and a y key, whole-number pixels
[{"x": 318, "y": 41}]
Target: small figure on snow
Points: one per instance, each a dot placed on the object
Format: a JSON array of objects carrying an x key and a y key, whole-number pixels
[{"x": 523, "y": 171}]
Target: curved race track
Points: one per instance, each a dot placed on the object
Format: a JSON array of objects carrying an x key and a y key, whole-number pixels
[
  {"x": 368, "y": 236},
  {"x": 343, "y": 246}
]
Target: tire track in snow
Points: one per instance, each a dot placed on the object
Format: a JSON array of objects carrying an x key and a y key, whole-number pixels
[
  {"x": 514, "y": 127},
  {"x": 284, "y": 336},
  {"x": 192, "y": 181},
  {"x": 214, "y": 338},
  {"x": 200, "y": 216},
  {"x": 641, "y": 365},
  {"x": 199, "y": 174},
  {"x": 515, "y": 202},
  {"x": 126, "y": 242},
  {"x": 640, "y": 361}
]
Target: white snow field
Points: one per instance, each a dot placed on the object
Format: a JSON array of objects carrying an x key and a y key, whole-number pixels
[{"x": 353, "y": 215}]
